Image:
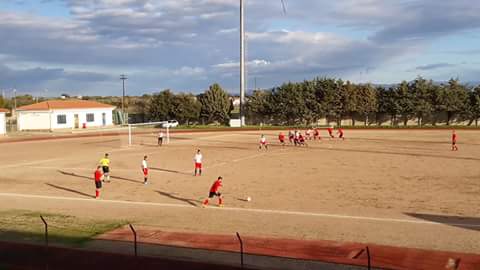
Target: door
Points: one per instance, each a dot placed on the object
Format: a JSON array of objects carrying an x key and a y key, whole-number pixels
[
  {"x": 77, "y": 122},
  {"x": 104, "y": 119}
]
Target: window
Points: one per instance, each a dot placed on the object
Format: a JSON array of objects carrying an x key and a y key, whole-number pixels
[
  {"x": 61, "y": 119},
  {"x": 90, "y": 117}
]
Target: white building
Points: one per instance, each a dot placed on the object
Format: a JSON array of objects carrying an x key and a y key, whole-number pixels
[
  {"x": 64, "y": 114},
  {"x": 3, "y": 121}
]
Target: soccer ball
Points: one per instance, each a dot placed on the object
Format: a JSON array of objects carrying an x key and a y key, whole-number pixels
[{"x": 249, "y": 199}]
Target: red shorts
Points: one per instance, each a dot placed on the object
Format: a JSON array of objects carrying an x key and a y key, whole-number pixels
[
  {"x": 145, "y": 171},
  {"x": 198, "y": 165},
  {"x": 263, "y": 143}
]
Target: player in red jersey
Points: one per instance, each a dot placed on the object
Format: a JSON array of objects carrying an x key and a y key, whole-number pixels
[
  {"x": 330, "y": 132},
  {"x": 214, "y": 191},
  {"x": 98, "y": 175},
  {"x": 454, "y": 141},
  {"x": 281, "y": 138},
  {"x": 340, "y": 133},
  {"x": 301, "y": 140},
  {"x": 316, "y": 134}
]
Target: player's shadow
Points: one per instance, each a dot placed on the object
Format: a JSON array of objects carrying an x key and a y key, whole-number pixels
[
  {"x": 150, "y": 144},
  {"x": 70, "y": 190},
  {"x": 469, "y": 223},
  {"x": 169, "y": 171},
  {"x": 227, "y": 147},
  {"x": 102, "y": 142},
  {"x": 125, "y": 179},
  {"x": 189, "y": 201},
  {"x": 73, "y": 174},
  {"x": 397, "y": 153}
]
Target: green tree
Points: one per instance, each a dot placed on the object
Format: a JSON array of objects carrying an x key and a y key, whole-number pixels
[
  {"x": 290, "y": 104},
  {"x": 386, "y": 103},
  {"x": 475, "y": 104},
  {"x": 403, "y": 101},
  {"x": 329, "y": 93},
  {"x": 23, "y": 100},
  {"x": 452, "y": 99},
  {"x": 186, "y": 108},
  {"x": 160, "y": 106},
  {"x": 313, "y": 109},
  {"x": 351, "y": 100},
  {"x": 472, "y": 110},
  {"x": 215, "y": 104},
  {"x": 259, "y": 106},
  {"x": 423, "y": 93},
  {"x": 295, "y": 103},
  {"x": 366, "y": 100},
  {"x": 2, "y": 102}
]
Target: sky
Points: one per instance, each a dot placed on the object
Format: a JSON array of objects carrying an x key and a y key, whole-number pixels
[{"x": 81, "y": 47}]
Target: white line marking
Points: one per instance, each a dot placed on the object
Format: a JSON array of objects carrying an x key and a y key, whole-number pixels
[
  {"x": 29, "y": 163},
  {"x": 60, "y": 168},
  {"x": 248, "y": 157},
  {"x": 262, "y": 211}
]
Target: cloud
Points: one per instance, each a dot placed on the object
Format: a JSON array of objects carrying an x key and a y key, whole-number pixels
[
  {"x": 187, "y": 44},
  {"x": 24, "y": 78},
  {"x": 434, "y": 66}
]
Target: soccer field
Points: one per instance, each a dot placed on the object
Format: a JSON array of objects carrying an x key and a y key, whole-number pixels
[{"x": 393, "y": 187}]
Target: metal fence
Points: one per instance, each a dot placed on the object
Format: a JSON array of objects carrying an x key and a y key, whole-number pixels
[{"x": 354, "y": 255}]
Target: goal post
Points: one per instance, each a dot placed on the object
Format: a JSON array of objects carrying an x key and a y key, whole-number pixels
[{"x": 148, "y": 133}]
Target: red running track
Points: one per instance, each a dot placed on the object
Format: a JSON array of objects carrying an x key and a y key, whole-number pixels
[{"x": 317, "y": 250}]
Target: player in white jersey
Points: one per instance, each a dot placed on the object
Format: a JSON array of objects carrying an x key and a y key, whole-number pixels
[
  {"x": 160, "y": 138},
  {"x": 263, "y": 142},
  {"x": 145, "y": 170},
  {"x": 198, "y": 163}
]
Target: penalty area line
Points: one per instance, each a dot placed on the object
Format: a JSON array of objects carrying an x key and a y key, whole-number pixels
[{"x": 246, "y": 210}]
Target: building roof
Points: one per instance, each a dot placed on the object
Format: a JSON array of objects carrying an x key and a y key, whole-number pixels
[
  {"x": 64, "y": 105},
  {"x": 4, "y": 110}
]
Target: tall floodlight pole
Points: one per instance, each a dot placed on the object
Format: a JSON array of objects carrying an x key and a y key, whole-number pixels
[
  {"x": 242, "y": 63},
  {"x": 123, "y": 78},
  {"x": 242, "y": 58},
  {"x": 14, "y": 99}
]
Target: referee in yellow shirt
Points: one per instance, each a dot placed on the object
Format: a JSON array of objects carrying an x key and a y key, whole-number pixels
[{"x": 105, "y": 163}]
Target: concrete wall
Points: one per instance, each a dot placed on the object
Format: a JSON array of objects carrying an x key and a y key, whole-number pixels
[
  {"x": 48, "y": 120},
  {"x": 33, "y": 120},
  {"x": 3, "y": 124}
]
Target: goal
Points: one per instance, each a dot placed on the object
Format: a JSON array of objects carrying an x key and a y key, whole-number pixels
[{"x": 148, "y": 133}]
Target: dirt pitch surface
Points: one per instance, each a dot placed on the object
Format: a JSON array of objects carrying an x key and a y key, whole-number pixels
[{"x": 389, "y": 187}]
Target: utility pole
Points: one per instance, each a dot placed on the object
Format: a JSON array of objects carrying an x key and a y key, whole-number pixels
[
  {"x": 242, "y": 63},
  {"x": 123, "y": 78},
  {"x": 15, "y": 99}
]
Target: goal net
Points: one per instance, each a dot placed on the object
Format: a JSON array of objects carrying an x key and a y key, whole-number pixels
[{"x": 153, "y": 133}]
